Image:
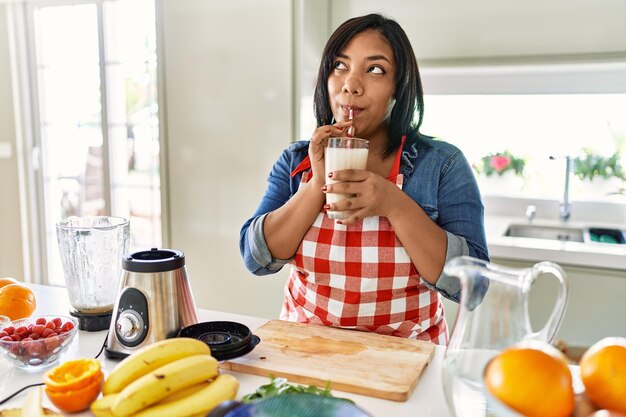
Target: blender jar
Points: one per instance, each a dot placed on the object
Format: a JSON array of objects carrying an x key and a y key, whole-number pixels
[{"x": 91, "y": 250}]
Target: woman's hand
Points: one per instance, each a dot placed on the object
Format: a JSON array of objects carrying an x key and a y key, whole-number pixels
[
  {"x": 318, "y": 143},
  {"x": 369, "y": 194}
]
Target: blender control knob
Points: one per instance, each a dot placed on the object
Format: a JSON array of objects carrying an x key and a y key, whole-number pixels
[{"x": 128, "y": 326}]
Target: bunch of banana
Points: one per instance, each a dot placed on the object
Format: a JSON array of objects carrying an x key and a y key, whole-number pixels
[{"x": 174, "y": 377}]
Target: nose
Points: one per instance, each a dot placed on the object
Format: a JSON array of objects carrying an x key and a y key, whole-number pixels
[{"x": 352, "y": 85}]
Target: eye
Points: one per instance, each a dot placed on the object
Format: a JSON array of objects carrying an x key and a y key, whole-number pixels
[
  {"x": 340, "y": 65},
  {"x": 375, "y": 69}
]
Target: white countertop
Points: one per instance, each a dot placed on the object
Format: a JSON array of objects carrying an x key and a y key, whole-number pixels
[
  {"x": 427, "y": 399},
  {"x": 501, "y": 212},
  {"x": 592, "y": 255}
]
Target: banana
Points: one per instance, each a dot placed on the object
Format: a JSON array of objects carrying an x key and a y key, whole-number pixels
[
  {"x": 184, "y": 392},
  {"x": 102, "y": 406},
  {"x": 223, "y": 388},
  {"x": 149, "y": 358},
  {"x": 164, "y": 381}
]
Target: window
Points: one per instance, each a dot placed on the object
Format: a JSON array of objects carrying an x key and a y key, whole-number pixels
[
  {"x": 94, "y": 115},
  {"x": 533, "y": 128},
  {"x": 535, "y": 112}
]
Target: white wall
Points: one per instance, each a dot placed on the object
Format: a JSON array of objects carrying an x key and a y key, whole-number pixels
[
  {"x": 10, "y": 232},
  {"x": 459, "y": 30},
  {"x": 227, "y": 68}
]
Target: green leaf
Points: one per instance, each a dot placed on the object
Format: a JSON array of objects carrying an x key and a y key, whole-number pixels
[
  {"x": 591, "y": 165},
  {"x": 280, "y": 386}
]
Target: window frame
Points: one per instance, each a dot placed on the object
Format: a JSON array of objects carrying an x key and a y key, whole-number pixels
[
  {"x": 28, "y": 131},
  {"x": 545, "y": 78}
]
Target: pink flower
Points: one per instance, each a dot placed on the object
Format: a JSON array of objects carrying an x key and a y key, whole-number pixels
[{"x": 499, "y": 162}]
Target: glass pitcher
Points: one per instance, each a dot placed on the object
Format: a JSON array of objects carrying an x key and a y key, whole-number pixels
[{"x": 492, "y": 315}]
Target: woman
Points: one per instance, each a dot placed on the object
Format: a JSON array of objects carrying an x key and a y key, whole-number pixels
[{"x": 416, "y": 206}]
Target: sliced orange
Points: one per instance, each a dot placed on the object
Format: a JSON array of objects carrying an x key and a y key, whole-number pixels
[
  {"x": 72, "y": 375},
  {"x": 72, "y": 401},
  {"x": 74, "y": 385}
]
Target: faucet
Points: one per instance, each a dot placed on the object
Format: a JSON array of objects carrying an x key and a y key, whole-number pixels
[
  {"x": 565, "y": 207},
  {"x": 531, "y": 211}
]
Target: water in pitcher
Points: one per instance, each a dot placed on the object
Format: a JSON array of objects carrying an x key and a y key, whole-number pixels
[{"x": 463, "y": 375}]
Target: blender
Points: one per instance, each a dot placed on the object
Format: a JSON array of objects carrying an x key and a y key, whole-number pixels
[
  {"x": 154, "y": 301},
  {"x": 91, "y": 250}
]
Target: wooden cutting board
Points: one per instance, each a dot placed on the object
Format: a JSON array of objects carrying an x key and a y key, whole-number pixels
[{"x": 363, "y": 363}]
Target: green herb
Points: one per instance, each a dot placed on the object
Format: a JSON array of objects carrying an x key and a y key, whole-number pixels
[
  {"x": 592, "y": 165},
  {"x": 280, "y": 386}
]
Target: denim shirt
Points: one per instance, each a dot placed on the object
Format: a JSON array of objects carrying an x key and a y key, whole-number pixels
[{"x": 436, "y": 176}]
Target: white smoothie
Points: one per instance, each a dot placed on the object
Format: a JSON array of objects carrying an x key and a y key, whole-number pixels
[{"x": 338, "y": 159}]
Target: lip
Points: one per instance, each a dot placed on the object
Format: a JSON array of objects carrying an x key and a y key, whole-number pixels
[{"x": 345, "y": 109}]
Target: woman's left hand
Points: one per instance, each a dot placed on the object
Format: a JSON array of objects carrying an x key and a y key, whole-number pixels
[{"x": 369, "y": 194}]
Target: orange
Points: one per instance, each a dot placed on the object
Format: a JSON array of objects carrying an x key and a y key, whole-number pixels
[
  {"x": 7, "y": 281},
  {"x": 77, "y": 400},
  {"x": 533, "y": 379},
  {"x": 17, "y": 301},
  {"x": 74, "y": 385},
  {"x": 72, "y": 375},
  {"x": 603, "y": 372}
]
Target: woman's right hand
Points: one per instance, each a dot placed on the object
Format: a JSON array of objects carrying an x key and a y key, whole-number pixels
[{"x": 318, "y": 143}]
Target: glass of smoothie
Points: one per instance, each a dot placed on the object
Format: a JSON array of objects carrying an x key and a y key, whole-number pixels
[{"x": 343, "y": 153}]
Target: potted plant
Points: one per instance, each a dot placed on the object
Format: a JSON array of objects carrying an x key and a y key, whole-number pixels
[
  {"x": 591, "y": 165},
  {"x": 599, "y": 175},
  {"x": 500, "y": 163},
  {"x": 500, "y": 172}
]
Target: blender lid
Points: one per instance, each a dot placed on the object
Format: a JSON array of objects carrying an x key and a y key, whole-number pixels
[
  {"x": 154, "y": 260},
  {"x": 227, "y": 339}
]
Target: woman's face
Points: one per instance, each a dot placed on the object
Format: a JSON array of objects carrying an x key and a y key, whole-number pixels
[{"x": 363, "y": 79}]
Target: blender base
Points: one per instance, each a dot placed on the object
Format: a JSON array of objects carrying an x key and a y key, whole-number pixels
[{"x": 92, "y": 322}]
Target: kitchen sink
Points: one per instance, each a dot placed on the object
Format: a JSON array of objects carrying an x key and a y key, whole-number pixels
[
  {"x": 566, "y": 234},
  {"x": 603, "y": 235}
]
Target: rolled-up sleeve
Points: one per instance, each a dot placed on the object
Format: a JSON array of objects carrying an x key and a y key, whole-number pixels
[
  {"x": 280, "y": 187},
  {"x": 447, "y": 285},
  {"x": 461, "y": 215},
  {"x": 259, "y": 251}
]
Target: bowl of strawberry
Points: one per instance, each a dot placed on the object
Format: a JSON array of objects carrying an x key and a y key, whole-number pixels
[{"x": 35, "y": 343}]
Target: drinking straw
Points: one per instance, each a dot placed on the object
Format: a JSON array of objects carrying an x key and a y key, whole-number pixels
[{"x": 350, "y": 132}]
